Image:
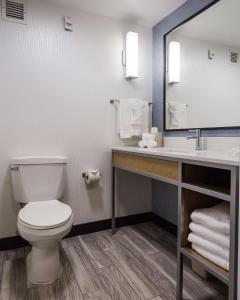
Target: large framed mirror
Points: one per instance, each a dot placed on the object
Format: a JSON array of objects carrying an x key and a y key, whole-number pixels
[{"x": 202, "y": 70}]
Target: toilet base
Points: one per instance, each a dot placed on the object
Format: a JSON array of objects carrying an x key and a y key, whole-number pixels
[{"x": 43, "y": 263}]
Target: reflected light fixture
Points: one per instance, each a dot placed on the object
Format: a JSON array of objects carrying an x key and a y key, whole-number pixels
[
  {"x": 132, "y": 55},
  {"x": 174, "y": 62}
]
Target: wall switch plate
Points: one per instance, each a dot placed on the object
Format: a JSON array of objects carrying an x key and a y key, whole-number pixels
[
  {"x": 211, "y": 54},
  {"x": 68, "y": 26}
]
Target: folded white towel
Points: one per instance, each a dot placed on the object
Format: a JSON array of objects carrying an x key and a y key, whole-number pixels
[
  {"x": 219, "y": 261},
  {"x": 220, "y": 239},
  {"x": 209, "y": 246},
  {"x": 132, "y": 117},
  {"x": 216, "y": 217}
]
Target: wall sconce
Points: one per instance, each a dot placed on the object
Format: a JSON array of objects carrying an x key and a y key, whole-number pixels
[
  {"x": 174, "y": 62},
  {"x": 131, "y": 55}
]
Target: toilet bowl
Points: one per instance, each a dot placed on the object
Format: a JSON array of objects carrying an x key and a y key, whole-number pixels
[
  {"x": 41, "y": 222},
  {"x": 44, "y": 233}
]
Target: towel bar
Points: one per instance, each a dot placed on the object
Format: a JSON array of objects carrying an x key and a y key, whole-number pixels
[{"x": 114, "y": 101}]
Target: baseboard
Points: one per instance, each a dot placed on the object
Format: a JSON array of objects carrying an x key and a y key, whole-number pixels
[
  {"x": 12, "y": 242},
  {"x": 17, "y": 242},
  {"x": 166, "y": 225},
  {"x": 106, "y": 224}
]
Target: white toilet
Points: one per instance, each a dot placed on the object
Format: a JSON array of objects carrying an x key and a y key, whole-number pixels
[{"x": 38, "y": 184}]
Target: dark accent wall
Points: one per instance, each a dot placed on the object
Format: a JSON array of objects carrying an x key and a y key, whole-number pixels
[{"x": 165, "y": 195}]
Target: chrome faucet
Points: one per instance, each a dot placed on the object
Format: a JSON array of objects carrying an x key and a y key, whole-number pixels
[{"x": 197, "y": 136}]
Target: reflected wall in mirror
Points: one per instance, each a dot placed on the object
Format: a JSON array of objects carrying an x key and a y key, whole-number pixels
[{"x": 202, "y": 79}]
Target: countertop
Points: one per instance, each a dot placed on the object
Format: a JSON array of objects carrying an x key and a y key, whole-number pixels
[{"x": 217, "y": 157}]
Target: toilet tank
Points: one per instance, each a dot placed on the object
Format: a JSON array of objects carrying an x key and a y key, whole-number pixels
[{"x": 38, "y": 178}]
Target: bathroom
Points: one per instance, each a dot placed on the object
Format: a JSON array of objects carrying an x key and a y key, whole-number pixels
[{"x": 112, "y": 227}]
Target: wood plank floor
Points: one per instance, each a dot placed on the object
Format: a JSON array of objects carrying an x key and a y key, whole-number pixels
[{"x": 137, "y": 263}]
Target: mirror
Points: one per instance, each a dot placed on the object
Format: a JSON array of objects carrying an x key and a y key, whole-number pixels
[{"x": 202, "y": 70}]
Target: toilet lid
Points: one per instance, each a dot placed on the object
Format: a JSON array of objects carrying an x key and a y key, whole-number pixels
[{"x": 45, "y": 214}]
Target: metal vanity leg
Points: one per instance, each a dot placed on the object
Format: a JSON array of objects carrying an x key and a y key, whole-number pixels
[
  {"x": 233, "y": 262},
  {"x": 113, "y": 199},
  {"x": 179, "y": 276},
  {"x": 179, "y": 287}
]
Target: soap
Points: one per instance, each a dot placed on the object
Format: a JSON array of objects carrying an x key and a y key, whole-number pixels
[
  {"x": 158, "y": 136},
  {"x": 159, "y": 139}
]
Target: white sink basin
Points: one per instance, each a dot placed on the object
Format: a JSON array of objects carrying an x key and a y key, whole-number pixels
[
  {"x": 165, "y": 150},
  {"x": 177, "y": 151},
  {"x": 168, "y": 150}
]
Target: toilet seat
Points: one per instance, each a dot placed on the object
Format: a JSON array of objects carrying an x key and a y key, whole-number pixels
[{"x": 45, "y": 214}]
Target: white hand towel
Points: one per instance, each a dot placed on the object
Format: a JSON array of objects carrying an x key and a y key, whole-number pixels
[
  {"x": 216, "y": 217},
  {"x": 139, "y": 116},
  {"x": 219, "y": 261},
  {"x": 132, "y": 117},
  {"x": 220, "y": 239},
  {"x": 123, "y": 119},
  {"x": 209, "y": 246}
]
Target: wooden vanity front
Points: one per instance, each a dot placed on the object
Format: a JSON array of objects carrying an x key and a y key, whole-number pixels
[
  {"x": 200, "y": 184},
  {"x": 156, "y": 167}
]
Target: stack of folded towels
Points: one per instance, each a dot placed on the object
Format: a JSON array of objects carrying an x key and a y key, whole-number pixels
[{"x": 210, "y": 233}]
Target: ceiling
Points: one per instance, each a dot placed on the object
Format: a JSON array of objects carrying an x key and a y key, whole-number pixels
[
  {"x": 144, "y": 12},
  {"x": 219, "y": 24}
]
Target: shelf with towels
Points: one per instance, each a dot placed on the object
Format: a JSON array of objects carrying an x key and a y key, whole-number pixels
[
  {"x": 206, "y": 264},
  {"x": 191, "y": 201}
]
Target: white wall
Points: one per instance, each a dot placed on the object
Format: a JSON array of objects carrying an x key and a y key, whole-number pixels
[
  {"x": 210, "y": 87},
  {"x": 55, "y": 90}
]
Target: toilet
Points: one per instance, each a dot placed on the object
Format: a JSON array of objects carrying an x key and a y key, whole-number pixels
[{"x": 38, "y": 185}]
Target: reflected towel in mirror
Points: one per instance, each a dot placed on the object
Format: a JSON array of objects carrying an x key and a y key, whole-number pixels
[{"x": 177, "y": 114}]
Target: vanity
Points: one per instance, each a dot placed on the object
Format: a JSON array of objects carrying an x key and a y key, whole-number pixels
[{"x": 203, "y": 178}]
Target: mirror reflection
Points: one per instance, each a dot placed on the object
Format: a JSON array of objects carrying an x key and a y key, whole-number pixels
[{"x": 203, "y": 70}]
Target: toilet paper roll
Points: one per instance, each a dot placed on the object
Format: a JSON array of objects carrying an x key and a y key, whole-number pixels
[{"x": 92, "y": 176}]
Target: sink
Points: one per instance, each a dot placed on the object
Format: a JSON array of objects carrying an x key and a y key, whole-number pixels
[
  {"x": 174, "y": 150},
  {"x": 178, "y": 151},
  {"x": 168, "y": 150}
]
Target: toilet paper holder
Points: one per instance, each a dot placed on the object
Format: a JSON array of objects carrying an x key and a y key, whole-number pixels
[
  {"x": 84, "y": 174},
  {"x": 91, "y": 176}
]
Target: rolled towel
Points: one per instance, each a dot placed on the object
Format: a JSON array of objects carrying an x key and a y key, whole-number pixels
[
  {"x": 147, "y": 144},
  {"x": 216, "y": 217},
  {"x": 148, "y": 137},
  {"x": 209, "y": 246},
  {"x": 219, "y": 261},
  {"x": 142, "y": 144},
  {"x": 220, "y": 239}
]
